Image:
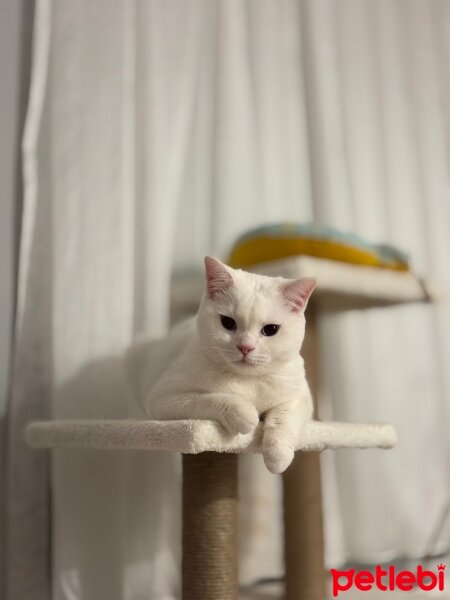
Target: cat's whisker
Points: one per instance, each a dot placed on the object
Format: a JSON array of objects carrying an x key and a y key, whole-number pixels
[{"x": 260, "y": 356}]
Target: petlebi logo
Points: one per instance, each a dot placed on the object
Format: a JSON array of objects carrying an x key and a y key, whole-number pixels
[{"x": 388, "y": 579}]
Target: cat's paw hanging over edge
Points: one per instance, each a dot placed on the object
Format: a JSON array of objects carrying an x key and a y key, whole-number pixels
[{"x": 278, "y": 457}]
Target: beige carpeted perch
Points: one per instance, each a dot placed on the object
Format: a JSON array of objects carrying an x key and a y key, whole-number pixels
[{"x": 193, "y": 437}]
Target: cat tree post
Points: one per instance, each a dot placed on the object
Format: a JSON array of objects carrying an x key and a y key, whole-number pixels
[
  {"x": 302, "y": 499},
  {"x": 209, "y": 538}
]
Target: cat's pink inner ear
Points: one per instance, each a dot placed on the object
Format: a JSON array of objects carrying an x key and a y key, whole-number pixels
[
  {"x": 218, "y": 276},
  {"x": 297, "y": 292}
]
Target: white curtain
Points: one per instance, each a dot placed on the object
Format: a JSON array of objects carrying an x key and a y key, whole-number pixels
[
  {"x": 157, "y": 132},
  {"x": 378, "y": 85}
]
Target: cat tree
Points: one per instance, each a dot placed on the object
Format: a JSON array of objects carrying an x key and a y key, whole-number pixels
[
  {"x": 210, "y": 455},
  {"x": 210, "y": 494}
]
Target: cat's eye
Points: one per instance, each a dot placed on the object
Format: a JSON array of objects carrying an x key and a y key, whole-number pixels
[
  {"x": 228, "y": 323},
  {"x": 270, "y": 329}
]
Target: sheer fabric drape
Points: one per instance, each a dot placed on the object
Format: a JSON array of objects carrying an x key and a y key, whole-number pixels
[{"x": 157, "y": 132}]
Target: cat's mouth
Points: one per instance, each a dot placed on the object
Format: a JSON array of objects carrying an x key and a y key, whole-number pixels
[
  {"x": 250, "y": 361},
  {"x": 243, "y": 360}
]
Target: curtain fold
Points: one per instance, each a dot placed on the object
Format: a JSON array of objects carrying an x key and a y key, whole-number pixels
[{"x": 158, "y": 131}]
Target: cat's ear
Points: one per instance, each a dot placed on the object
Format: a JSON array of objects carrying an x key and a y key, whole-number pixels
[
  {"x": 297, "y": 292},
  {"x": 218, "y": 276}
]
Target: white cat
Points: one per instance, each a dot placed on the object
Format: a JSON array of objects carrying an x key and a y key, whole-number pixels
[{"x": 237, "y": 361}]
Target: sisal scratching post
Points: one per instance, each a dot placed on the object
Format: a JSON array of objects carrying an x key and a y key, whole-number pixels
[
  {"x": 305, "y": 575},
  {"x": 302, "y": 497},
  {"x": 210, "y": 499}
]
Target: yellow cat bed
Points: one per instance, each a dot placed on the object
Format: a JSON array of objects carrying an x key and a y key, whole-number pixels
[{"x": 272, "y": 242}]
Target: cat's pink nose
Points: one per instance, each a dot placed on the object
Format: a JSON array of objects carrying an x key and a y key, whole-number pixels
[{"x": 245, "y": 348}]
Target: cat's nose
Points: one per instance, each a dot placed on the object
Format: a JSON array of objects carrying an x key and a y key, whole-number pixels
[{"x": 245, "y": 348}]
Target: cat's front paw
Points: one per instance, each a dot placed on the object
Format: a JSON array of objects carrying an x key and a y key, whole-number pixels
[
  {"x": 239, "y": 417},
  {"x": 277, "y": 456}
]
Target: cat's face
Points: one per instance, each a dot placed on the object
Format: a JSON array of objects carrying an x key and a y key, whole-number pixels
[{"x": 250, "y": 322}]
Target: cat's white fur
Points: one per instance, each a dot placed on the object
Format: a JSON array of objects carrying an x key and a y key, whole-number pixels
[{"x": 198, "y": 371}]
